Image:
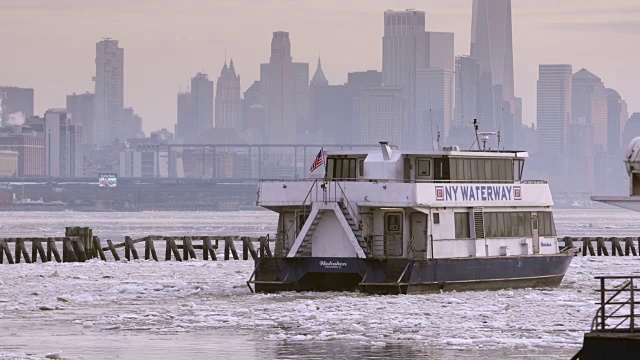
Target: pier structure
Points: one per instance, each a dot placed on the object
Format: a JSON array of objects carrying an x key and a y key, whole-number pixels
[
  {"x": 614, "y": 329},
  {"x": 79, "y": 245}
]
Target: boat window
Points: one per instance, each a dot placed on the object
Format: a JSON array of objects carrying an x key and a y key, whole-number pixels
[
  {"x": 527, "y": 224},
  {"x": 424, "y": 167},
  {"x": 546, "y": 226},
  {"x": 436, "y": 218},
  {"x": 345, "y": 169},
  {"x": 462, "y": 225},
  {"x": 341, "y": 168},
  {"x": 507, "y": 224},
  {"x": 330, "y": 165},
  {"x": 441, "y": 167},
  {"x": 360, "y": 167},
  {"x": 500, "y": 231},
  {"x": 468, "y": 175},
  {"x": 487, "y": 169},
  {"x": 481, "y": 173},
  {"x": 459, "y": 169},
  {"x": 483, "y": 170},
  {"x": 393, "y": 222},
  {"x": 518, "y": 168}
]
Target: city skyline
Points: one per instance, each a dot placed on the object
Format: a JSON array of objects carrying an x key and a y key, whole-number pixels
[{"x": 540, "y": 34}]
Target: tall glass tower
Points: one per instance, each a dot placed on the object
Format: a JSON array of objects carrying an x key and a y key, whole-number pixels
[{"x": 492, "y": 47}]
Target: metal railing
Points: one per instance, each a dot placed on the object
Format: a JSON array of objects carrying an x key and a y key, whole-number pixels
[
  {"x": 385, "y": 245},
  {"x": 617, "y": 311}
]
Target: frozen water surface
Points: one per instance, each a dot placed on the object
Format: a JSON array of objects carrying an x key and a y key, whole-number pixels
[{"x": 201, "y": 309}]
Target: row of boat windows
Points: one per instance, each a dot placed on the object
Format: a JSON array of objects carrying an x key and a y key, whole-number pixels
[
  {"x": 459, "y": 169},
  {"x": 507, "y": 224},
  {"x": 471, "y": 169}
]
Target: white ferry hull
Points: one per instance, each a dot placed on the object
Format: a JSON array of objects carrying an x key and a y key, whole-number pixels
[{"x": 404, "y": 276}]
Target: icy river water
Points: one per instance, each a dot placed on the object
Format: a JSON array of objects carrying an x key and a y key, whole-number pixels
[{"x": 204, "y": 310}]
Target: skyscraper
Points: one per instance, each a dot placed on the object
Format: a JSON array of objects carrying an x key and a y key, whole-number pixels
[
  {"x": 81, "y": 107},
  {"x": 284, "y": 88},
  {"x": 434, "y": 113},
  {"x": 228, "y": 101},
  {"x": 109, "y": 94},
  {"x": 491, "y": 46},
  {"x": 63, "y": 145},
  {"x": 403, "y": 53},
  {"x": 319, "y": 79},
  {"x": 186, "y": 128},
  {"x": 439, "y": 50},
  {"x": 554, "y": 115},
  {"x": 16, "y": 105},
  {"x": 202, "y": 95},
  {"x": 468, "y": 79},
  {"x": 195, "y": 109},
  {"x": 131, "y": 124},
  {"x": 617, "y": 117},
  {"x": 589, "y": 102},
  {"x": 381, "y": 113}
]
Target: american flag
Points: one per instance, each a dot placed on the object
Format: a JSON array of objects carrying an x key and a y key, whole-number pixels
[{"x": 317, "y": 162}]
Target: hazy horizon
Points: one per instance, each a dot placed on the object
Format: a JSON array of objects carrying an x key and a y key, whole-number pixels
[{"x": 51, "y": 46}]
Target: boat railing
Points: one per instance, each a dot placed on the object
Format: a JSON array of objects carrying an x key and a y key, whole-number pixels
[
  {"x": 384, "y": 246},
  {"x": 400, "y": 181},
  {"x": 617, "y": 306},
  {"x": 303, "y": 210}
]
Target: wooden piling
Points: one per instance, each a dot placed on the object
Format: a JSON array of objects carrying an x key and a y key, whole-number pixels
[
  {"x": 602, "y": 247},
  {"x": 68, "y": 249},
  {"x": 615, "y": 246},
  {"x": 229, "y": 246},
  {"x": 36, "y": 248},
  {"x": 21, "y": 249},
  {"x": 81, "y": 254},
  {"x": 153, "y": 249},
  {"x": 189, "y": 251},
  {"x": 97, "y": 247},
  {"x": 167, "y": 252},
  {"x": 131, "y": 247},
  {"x": 6, "y": 251},
  {"x": 629, "y": 247},
  {"x": 568, "y": 242},
  {"x": 208, "y": 248},
  {"x": 174, "y": 249},
  {"x": 116, "y": 257},
  {"x": 52, "y": 248},
  {"x": 248, "y": 245}
]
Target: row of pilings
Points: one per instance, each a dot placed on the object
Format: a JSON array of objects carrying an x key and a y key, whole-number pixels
[{"x": 79, "y": 245}]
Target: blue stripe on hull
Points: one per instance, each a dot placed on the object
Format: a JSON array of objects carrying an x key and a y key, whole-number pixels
[{"x": 408, "y": 276}]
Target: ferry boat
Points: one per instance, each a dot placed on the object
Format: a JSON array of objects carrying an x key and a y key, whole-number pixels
[{"x": 389, "y": 221}]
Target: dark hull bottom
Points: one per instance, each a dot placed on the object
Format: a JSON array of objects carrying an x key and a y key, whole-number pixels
[{"x": 404, "y": 276}]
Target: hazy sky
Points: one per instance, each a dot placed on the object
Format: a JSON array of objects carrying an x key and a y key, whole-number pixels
[{"x": 50, "y": 44}]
